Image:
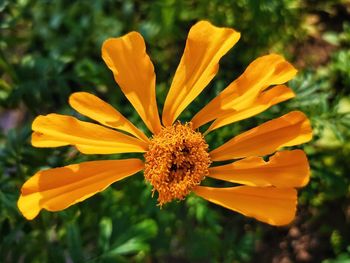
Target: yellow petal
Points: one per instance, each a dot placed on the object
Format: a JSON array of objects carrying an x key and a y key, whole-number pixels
[
  {"x": 289, "y": 130},
  {"x": 284, "y": 169},
  {"x": 99, "y": 110},
  {"x": 275, "y": 206},
  {"x": 133, "y": 70},
  {"x": 44, "y": 140},
  {"x": 241, "y": 93},
  {"x": 205, "y": 46},
  {"x": 58, "y": 188},
  {"x": 57, "y": 130},
  {"x": 264, "y": 101}
]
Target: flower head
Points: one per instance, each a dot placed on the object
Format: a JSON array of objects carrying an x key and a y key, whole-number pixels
[
  {"x": 177, "y": 157},
  {"x": 176, "y": 162}
]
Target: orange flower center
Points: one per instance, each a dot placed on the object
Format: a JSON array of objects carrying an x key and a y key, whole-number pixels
[{"x": 177, "y": 160}]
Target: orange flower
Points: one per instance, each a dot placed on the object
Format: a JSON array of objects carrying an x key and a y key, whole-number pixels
[{"x": 177, "y": 157}]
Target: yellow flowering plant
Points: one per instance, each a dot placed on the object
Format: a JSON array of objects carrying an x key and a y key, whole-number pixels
[{"x": 177, "y": 157}]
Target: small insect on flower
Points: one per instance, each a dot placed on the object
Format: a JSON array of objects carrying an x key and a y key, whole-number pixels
[{"x": 177, "y": 157}]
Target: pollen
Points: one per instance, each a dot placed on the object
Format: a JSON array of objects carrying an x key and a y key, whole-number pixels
[{"x": 177, "y": 161}]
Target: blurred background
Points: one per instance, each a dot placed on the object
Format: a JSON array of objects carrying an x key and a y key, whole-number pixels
[{"x": 50, "y": 49}]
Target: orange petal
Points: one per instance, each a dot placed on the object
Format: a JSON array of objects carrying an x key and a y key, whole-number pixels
[
  {"x": 241, "y": 93},
  {"x": 58, "y": 188},
  {"x": 284, "y": 169},
  {"x": 133, "y": 70},
  {"x": 99, "y": 110},
  {"x": 205, "y": 46},
  {"x": 57, "y": 130},
  {"x": 264, "y": 101},
  {"x": 44, "y": 140},
  {"x": 275, "y": 206},
  {"x": 289, "y": 130}
]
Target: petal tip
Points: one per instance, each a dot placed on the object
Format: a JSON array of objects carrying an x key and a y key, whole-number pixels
[{"x": 29, "y": 211}]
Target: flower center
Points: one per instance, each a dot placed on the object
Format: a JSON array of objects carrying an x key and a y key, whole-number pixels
[{"x": 177, "y": 161}]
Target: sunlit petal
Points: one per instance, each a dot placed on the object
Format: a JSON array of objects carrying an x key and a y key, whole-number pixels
[
  {"x": 264, "y": 101},
  {"x": 284, "y": 169},
  {"x": 58, "y": 188},
  {"x": 133, "y": 70},
  {"x": 99, "y": 110},
  {"x": 241, "y": 93},
  {"x": 57, "y": 130},
  {"x": 289, "y": 130},
  {"x": 275, "y": 206},
  {"x": 205, "y": 46},
  {"x": 43, "y": 140}
]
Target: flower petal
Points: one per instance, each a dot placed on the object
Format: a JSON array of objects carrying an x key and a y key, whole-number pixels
[
  {"x": 284, "y": 169},
  {"x": 275, "y": 206},
  {"x": 133, "y": 70},
  {"x": 44, "y": 140},
  {"x": 58, "y": 188},
  {"x": 57, "y": 130},
  {"x": 205, "y": 46},
  {"x": 290, "y": 129},
  {"x": 265, "y": 100},
  {"x": 241, "y": 93},
  {"x": 99, "y": 110}
]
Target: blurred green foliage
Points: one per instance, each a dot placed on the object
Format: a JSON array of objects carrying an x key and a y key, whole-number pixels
[{"x": 49, "y": 49}]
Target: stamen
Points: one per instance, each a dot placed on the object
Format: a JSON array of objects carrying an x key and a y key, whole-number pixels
[{"x": 177, "y": 160}]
